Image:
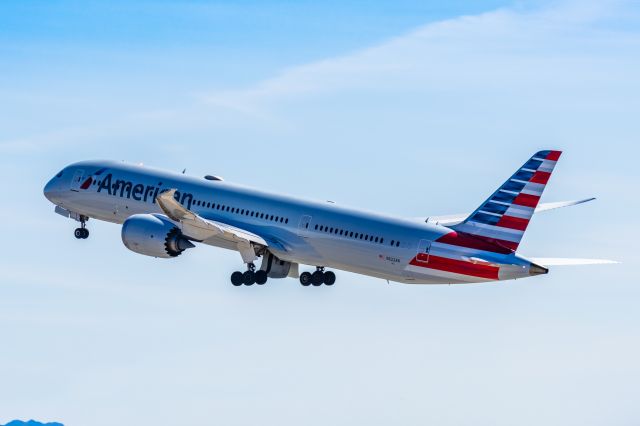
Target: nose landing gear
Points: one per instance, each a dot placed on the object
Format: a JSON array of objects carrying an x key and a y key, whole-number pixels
[{"x": 82, "y": 233}]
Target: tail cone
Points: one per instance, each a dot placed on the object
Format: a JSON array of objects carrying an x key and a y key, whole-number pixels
[{"x": 537, "y": 270}]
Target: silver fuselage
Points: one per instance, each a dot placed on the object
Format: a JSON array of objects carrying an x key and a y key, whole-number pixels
[{"x": 303, "y": 232}]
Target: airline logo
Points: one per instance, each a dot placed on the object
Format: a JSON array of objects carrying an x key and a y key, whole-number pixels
[
  {"x": 497, "y": 226},
  {"x": 87, "y": 183},
  {"x": 131, "y": 190}
]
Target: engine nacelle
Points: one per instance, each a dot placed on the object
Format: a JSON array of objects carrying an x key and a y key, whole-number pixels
[{"x": 153, "y": 235}]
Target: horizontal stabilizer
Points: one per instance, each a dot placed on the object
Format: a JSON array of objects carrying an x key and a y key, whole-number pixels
[
  {"x": 455, "y": 219},
  {"x": 552, "y": 206},
  {"x": 560, "y": 261}
]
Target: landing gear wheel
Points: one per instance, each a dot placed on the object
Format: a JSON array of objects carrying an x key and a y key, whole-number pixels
[
  {"x": 329, "y": 278},
  {"x": 261, "y": 277},
  {"x": 85, "y": 232},
  {"x": 305, "y": 279},
  {"x": 237, "y": 278},
  {"x": 249, "y": 278},
  {"x": 317, "y": 278},
  {"x": 79, "y": 233}
]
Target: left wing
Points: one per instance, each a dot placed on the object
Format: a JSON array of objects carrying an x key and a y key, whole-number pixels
[{"x": 198, "y": 228}]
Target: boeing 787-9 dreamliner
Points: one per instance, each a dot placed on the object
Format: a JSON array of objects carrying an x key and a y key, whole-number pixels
[{"x": 163, "y": 214}]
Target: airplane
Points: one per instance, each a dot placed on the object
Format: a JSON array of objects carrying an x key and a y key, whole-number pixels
[{"x": 164, "y": 214}]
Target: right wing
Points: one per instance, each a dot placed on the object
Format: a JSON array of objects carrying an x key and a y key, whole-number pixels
[{"x": 200, "y": 229}]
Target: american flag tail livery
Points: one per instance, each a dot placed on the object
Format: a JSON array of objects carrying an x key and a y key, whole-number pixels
[{"x": 503, "y": 218}]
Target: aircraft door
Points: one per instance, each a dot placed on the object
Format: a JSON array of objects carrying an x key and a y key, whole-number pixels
[
  {"x": 424, "y": 249},
  {"x": 303, "y": 227},
  {"x": 77, "y": 180}
]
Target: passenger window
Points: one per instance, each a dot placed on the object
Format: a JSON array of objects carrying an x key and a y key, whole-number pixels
[
  {"x": 398, "y": 244},
  {"x": 351, "y": 234},
  {"x": 286, "y": 221},
  {"x": 316, "y": 227},
  {"x": 381, "y": 240}
]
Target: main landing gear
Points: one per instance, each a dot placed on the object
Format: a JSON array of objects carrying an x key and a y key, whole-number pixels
[
  {"x": 318, "y": 278},
  {"x": 82, "y": 233},
  {"x": 249, "y": 277}
]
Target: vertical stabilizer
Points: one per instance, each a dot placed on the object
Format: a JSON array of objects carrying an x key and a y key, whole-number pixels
[{"x": 503, "y": 218}]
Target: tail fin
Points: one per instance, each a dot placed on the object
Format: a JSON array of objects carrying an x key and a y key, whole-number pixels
[{"x": 503, "y": 218}]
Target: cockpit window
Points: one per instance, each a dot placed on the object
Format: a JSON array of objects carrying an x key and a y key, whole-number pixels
[{"x": 60, "y": 174}]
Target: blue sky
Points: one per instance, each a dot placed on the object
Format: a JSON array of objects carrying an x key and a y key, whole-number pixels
[{"x": 409, "y": 108}]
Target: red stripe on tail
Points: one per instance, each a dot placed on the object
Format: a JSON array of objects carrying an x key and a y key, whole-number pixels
[
  {"x": 540, "y": 177},
  {"x": 459, "y": 267},
  {"x": 478, "y": 242},
  {"x": 554, "y": 155},
  {"x": 513, "y": 223},
  {"x": 526, "y": 200}
]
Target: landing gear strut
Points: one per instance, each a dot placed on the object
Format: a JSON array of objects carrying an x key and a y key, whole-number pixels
[
  {"x": 82, "y": 233},
  {"x": 249, "y": 277},
  {"x": 318, "y": 278}
]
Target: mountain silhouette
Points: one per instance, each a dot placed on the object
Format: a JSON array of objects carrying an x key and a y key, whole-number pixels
[{"x": 31, "y": 423}]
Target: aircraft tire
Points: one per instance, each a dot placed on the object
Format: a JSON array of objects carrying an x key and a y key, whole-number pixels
[
  {"x": 317, "y": 278},
  {"x": 249, "y": 278},
  {"x": 305, "y": 279},
  {"x": 261, "y": 277},
  {"x": 329, "y": 278},
  {"x": 237, "y": 278}
]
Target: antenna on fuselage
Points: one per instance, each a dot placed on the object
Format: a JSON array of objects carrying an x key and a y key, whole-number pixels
[{"x": 184, "y": 171}]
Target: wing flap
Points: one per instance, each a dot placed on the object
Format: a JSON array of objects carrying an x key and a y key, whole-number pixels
[{"x": 200, "y": 229}]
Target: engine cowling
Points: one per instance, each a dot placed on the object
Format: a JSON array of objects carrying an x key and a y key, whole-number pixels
[{"x": 154, "y": 235}]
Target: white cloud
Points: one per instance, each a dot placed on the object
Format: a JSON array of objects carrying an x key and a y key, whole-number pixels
[{"x": 505, "y": 48}]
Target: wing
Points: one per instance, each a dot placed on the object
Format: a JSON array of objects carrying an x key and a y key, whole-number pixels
[
  {"x": 559, "y": 261},
  {"x": 455, "y": 219},
  {"x": 198, "y": 228}
]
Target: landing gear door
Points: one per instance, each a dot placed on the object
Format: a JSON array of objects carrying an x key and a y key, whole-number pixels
[
  {"x": 303, "y": 226},
  {"x": 424, "y": 249},
  {"x": 77, "y": 180}
]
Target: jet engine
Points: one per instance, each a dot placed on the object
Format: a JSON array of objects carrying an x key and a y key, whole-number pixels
[{"x": 154, "y": 235}]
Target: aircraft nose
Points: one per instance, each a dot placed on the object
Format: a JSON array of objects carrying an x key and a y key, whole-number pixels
[
  {"x": 52, "y": 189},
  {"x": 48, "y": 190}
]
